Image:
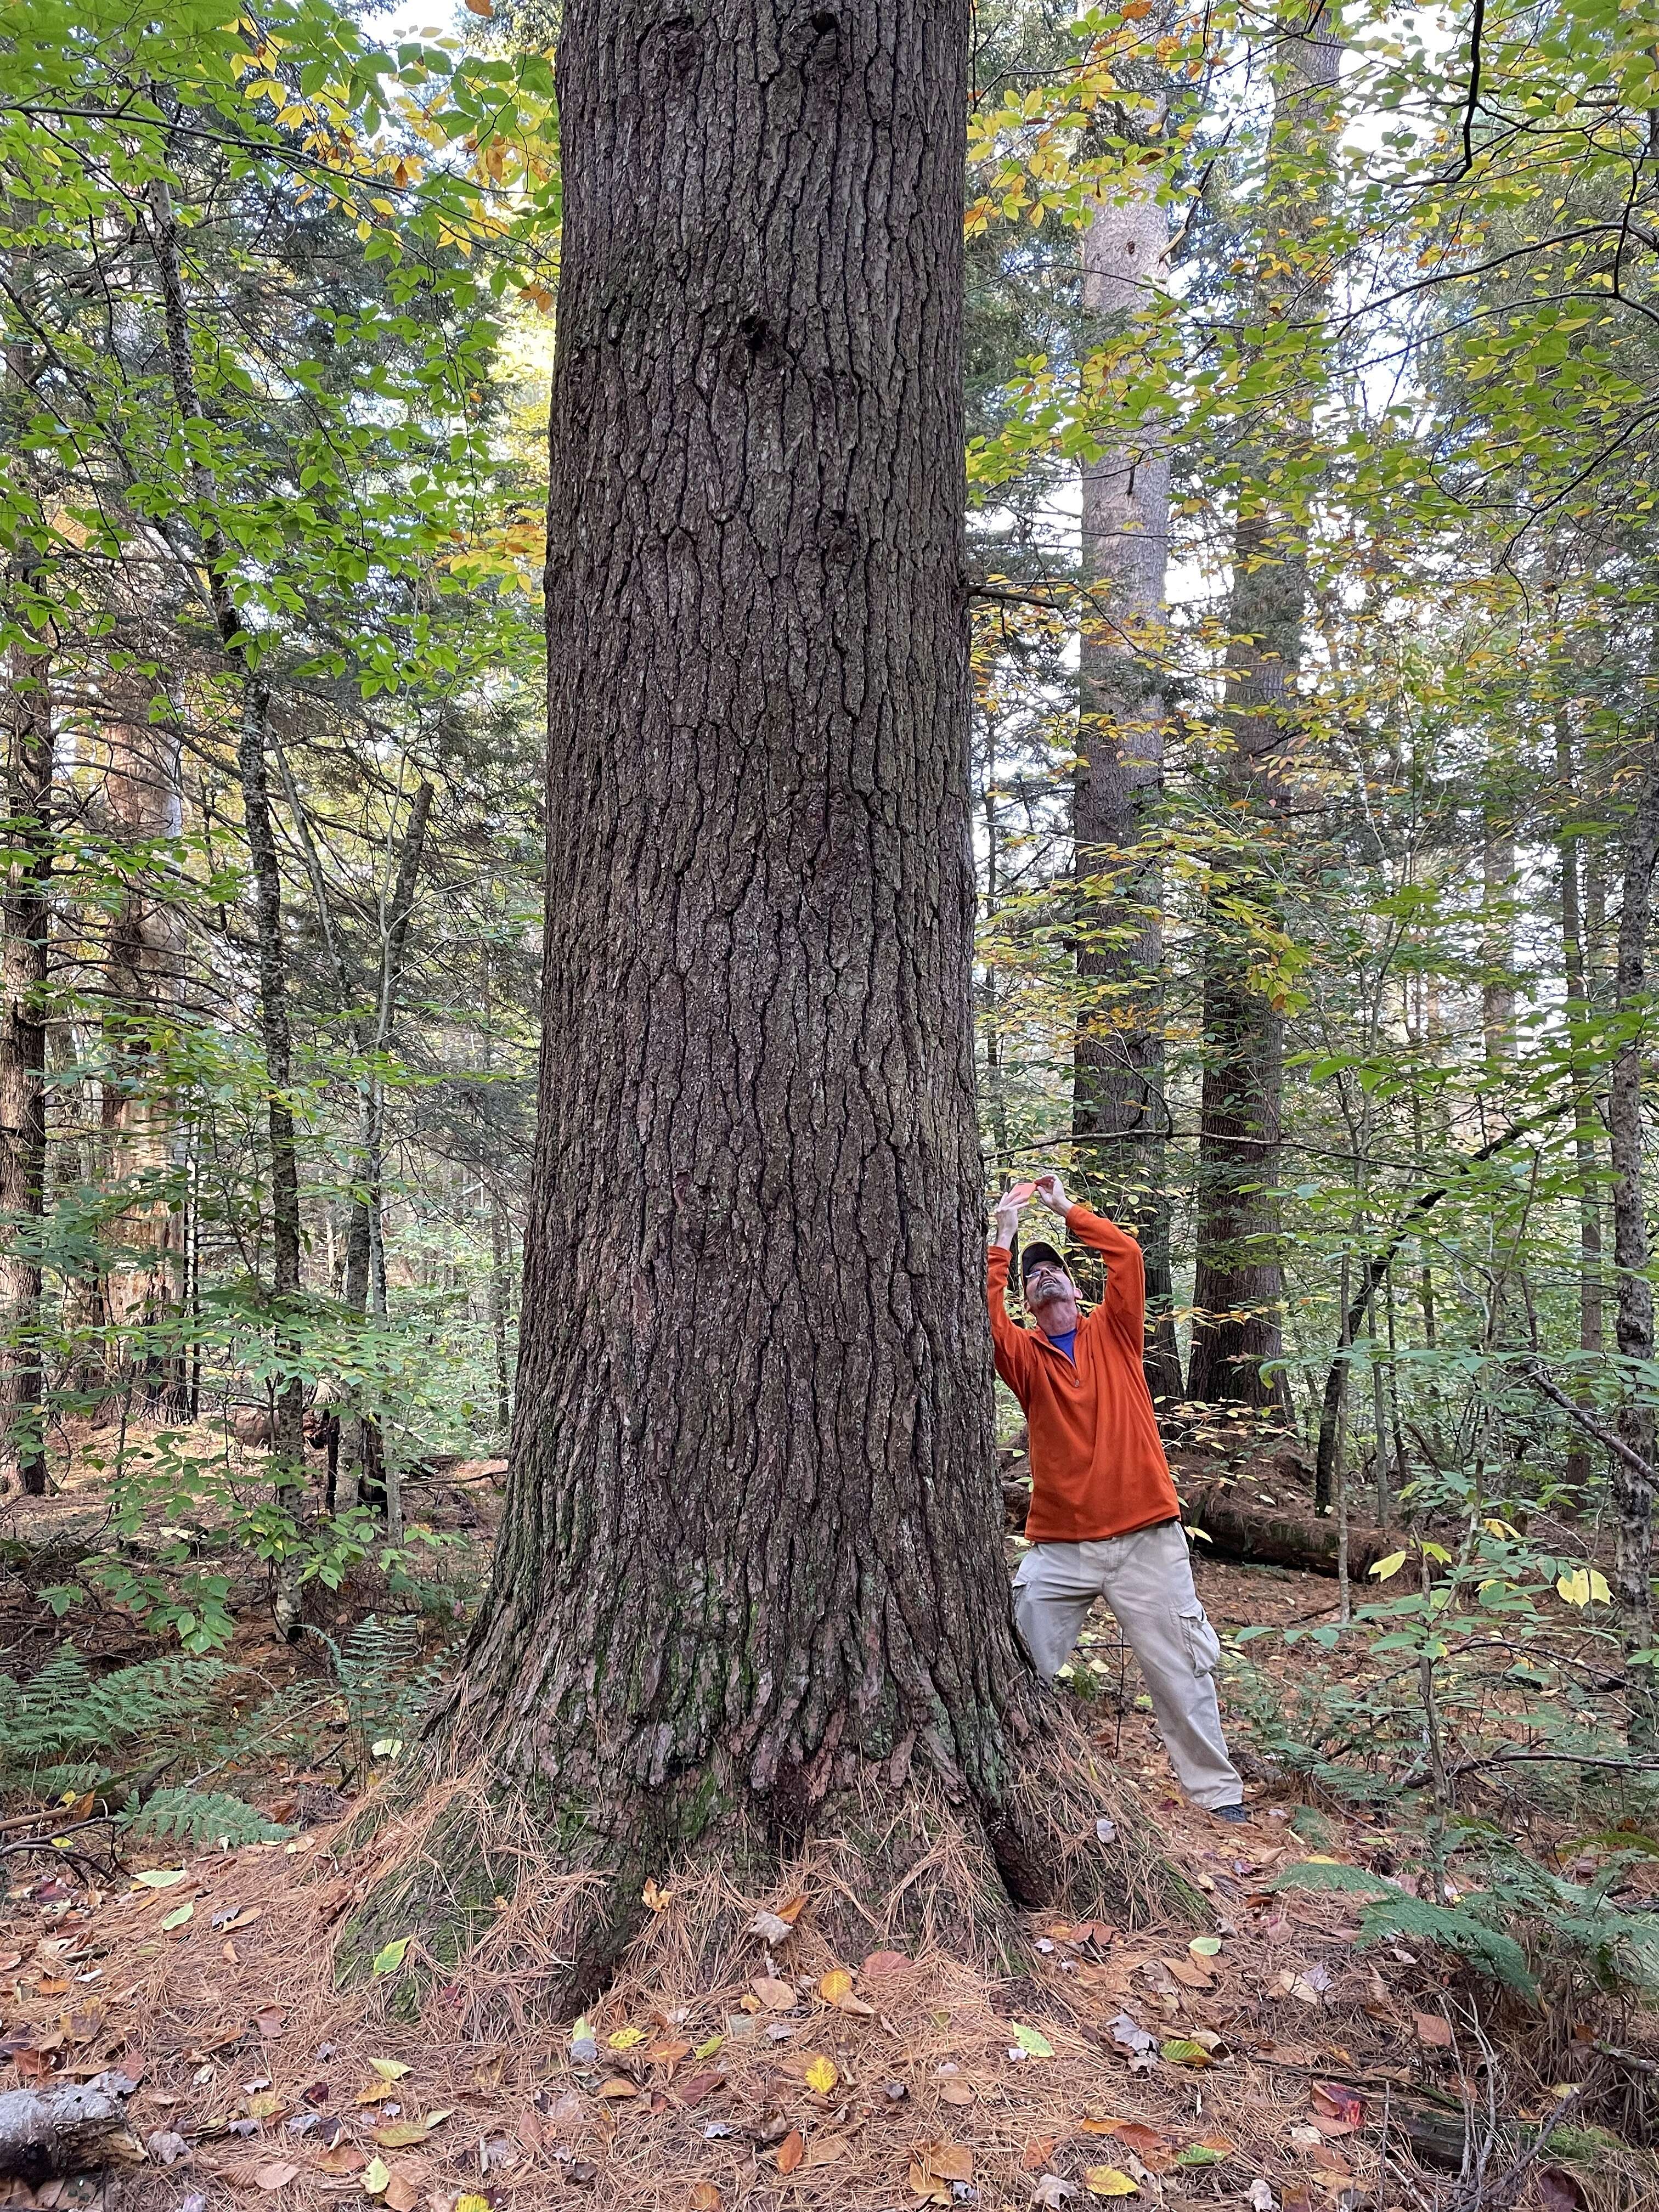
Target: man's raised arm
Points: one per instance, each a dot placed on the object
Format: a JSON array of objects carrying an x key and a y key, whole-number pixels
[
  {"x": 1126, "y": 1266},
  {"x": 1013, "y": 1351}
]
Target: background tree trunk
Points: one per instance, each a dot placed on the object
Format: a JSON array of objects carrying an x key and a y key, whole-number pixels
[
  {"x": 254, "y": 744},
  {"x": 1118, "y": 1092},
  {"x": 1574, "y": 976},
  {"x": 1633, "y": 1492},
  {"x": 1238, "y": 1288},
  {"x": 751, "y": 1546},
  {"x": 27, "y": 941},
  {"x": 144, "y": 962}
]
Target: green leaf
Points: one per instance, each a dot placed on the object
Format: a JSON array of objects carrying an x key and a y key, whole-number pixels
[
  {"x": 388, "y": 1960},
  {"x": 1031, "y": 2040}
]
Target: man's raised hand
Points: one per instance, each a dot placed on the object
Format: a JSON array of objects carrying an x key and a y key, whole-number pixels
[
  {"x": 1052, "y": 1192},
  {"x": 1005, "y": 1221}
]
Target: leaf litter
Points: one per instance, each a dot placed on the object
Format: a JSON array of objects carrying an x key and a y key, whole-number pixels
[{"x": 908, "y": 2092}]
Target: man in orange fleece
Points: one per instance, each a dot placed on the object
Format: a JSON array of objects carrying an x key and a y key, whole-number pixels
[{"x": 1104, "y": 1519}]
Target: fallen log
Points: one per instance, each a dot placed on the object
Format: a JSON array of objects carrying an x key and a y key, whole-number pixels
[
  {"x": 1265, "y": 1536},
  {"x": 46, "y": 2134}
]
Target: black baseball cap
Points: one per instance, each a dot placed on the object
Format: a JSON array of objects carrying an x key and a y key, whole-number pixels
[{"x": 1035, "y": 1256}]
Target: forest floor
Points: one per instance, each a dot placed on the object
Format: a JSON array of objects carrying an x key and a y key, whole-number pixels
[{"x": 1276, "y": 2064}]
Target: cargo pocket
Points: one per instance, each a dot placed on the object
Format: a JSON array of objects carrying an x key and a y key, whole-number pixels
[{"x": 1203, "y": 1644}]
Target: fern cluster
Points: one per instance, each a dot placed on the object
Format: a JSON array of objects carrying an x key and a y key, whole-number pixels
[
  {"x": 378, "y": 1693},
  {"x": 56, "y": 1722},
  {"x": 66, "y": 1733},
  {"x": 1565, "y": 1924}
]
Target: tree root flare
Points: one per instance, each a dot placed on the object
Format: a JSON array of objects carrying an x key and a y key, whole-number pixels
[{"x": 510, "y": 1917}]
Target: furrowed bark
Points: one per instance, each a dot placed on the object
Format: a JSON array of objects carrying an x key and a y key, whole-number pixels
[{"x": 751, "y": 1559}]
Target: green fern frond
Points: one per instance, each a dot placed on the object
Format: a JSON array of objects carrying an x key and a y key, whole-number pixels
[
  {"x": 71, "y": 1780},
  {"x": 1391, "y": 1914},
  {"x": 1326, "y": 1873},
  {"x": 204, "y": 1816},
  {"x": 63, "y": 1709},
  {"x": 1454, "y": 1928}
]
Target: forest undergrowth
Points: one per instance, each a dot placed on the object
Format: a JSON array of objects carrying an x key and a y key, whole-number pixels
[{"x": 1426, "y": 1976}]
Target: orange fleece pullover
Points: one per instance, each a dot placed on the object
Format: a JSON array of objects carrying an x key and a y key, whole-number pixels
[{"x": 1098, "y": 1463}]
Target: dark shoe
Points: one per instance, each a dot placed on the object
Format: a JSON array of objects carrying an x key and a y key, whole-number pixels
[{"x": 1233, "y": 1815}]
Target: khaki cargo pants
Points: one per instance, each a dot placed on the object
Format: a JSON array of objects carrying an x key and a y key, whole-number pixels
[{"x": 1147, "y": 1579}]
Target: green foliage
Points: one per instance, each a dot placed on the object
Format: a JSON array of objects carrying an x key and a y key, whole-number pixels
[
  {"x": 369, "y": 1710},
  {"x": 1392, "y": 1914},
  {"x": 201, "y": 1817},
  {"x": 64, "y": 1708}
]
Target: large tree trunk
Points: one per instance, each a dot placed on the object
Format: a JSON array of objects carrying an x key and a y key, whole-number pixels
[
  {"x": 1632, "y": 1490},
  {"x": 1238, "y": 1289},
  {"x": 750, "y": 1559},
  {"x": 1119, "y": 1093},
  {"x": 23, "y": 956}
]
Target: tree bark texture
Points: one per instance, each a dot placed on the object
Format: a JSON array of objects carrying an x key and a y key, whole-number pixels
[
  {"x": 1118, "y": 1083},
  {"x": 751, "y": 1546},
  {"x": 1632, "y": 1491},
  {"x": 23, "y": 964},
  {"x": 75, "y": 2129},
  {"x": 1238, "y": 1292}
]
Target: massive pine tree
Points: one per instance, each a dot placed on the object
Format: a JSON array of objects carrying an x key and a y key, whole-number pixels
[{"x": 751, "y": 1565}]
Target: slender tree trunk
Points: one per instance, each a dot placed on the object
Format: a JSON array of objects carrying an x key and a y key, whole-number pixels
[
  {"x": 144, "y": 954},
  {"x": 1498, "y": 936},
  {"x": 991, "y": 1026},
  {"x": 751, "y": 1559},
  {"x": 1633, "y": 1492},
  {"x": 1578, "y": 1010},
  {"x": 376, "y": 1476},
  {"x": 1238, "y": 1288},
  {"x": 1118, "y": 1082},
  {"x": 23, "y": 958},
  {"x": 501, "y": 1261},
  {"x": 252, "y": 749}
]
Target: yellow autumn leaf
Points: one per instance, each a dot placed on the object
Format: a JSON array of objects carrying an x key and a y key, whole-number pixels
[
  {"x": 375, "y": 2176},
  {"x": 1599, "y": 1590},
  {"x": 820, "y": 2075},
  {"x": 1383, "y": 1568},
  {"x": 1574, "y": 1588},
  {"x": 836, "y": 1984},
  {"x": 390, "y": 2069},
  {"x": 1107, "y": 2181},
  {"x": 626, "y": 2038}
]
